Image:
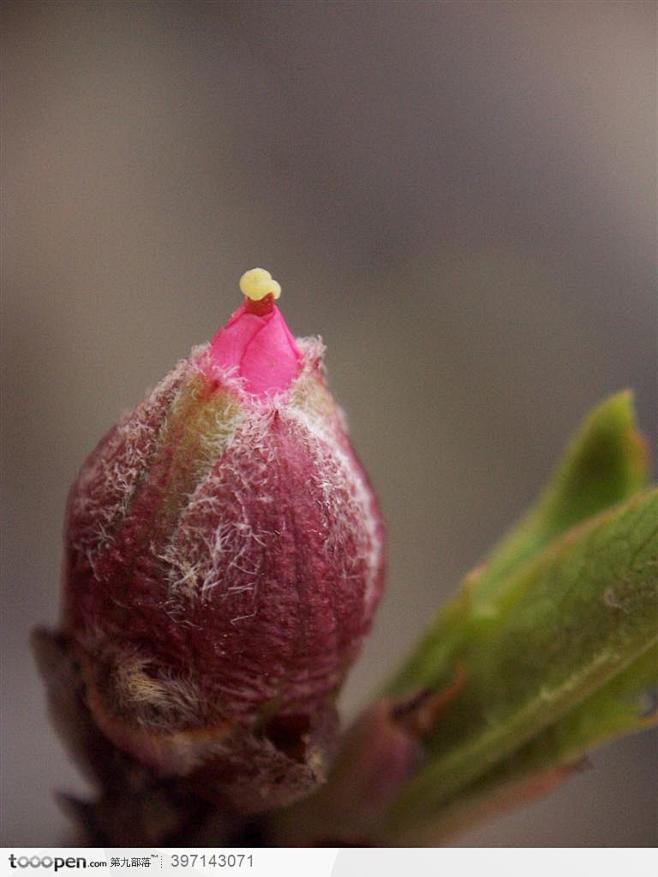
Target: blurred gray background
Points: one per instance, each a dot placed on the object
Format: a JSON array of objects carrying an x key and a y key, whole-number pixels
[{"x": 459, "y": 196}]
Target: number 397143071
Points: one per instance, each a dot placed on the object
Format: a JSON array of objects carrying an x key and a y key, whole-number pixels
[{"x": 215, "y": 860}]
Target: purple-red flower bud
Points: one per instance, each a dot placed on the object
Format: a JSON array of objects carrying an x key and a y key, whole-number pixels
[{"x": 223, "y": 563}]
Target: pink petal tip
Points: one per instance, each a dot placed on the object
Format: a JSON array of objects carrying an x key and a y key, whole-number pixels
[{"x": 258, "y": 344}]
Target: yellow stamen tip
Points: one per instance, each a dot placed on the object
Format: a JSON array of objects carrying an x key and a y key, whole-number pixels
[{"x": 257, "y": 283}]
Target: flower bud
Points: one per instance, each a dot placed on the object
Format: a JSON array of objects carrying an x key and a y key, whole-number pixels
[{"x": 223, "y": 563}]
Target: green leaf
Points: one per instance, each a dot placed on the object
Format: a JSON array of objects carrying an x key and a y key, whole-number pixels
[
  {"x": 625, "y": 705},
  {"x": 563, "y": 627},
  {"x": 604, "y": 464}
]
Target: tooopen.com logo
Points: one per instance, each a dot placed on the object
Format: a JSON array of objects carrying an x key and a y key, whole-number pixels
[{"x": 56, "y": 863}]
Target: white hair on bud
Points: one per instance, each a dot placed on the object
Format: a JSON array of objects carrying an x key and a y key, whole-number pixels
[
  {"x": 200, "y": 561},
  {"x": 154, "y": 700},
  {"x": 346, "y": 492},
  {"x": 136, "y": 686},
  {"x": 109, "y": 478}
]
